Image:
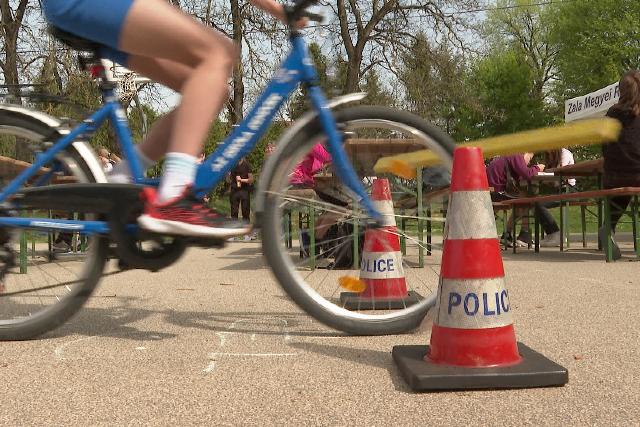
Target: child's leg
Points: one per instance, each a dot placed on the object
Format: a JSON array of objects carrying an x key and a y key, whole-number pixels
[
  {"x": 156, "y": 143},
  {"x": 173, "y": 75},
  {"x": 153, "y": 28}
]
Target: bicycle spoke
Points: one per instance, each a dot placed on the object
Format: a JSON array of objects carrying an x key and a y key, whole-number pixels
[{"x": 388, "y": 267}]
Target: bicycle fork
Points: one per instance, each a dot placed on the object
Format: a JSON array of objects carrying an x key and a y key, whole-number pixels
[{"x": 338, "y": 154}]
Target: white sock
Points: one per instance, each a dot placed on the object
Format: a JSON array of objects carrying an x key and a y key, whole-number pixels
[
  {"x": 179, "y": 171},
  {"x": 120, "y": 174}
]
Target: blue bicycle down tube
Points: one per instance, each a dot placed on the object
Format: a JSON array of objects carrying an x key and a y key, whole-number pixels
[
  {"x": 245, "y": 136},
  {"x": 48, "y": 224}
]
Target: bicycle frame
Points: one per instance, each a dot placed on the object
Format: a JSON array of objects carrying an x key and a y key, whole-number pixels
[{"x": 296, "y": 69}]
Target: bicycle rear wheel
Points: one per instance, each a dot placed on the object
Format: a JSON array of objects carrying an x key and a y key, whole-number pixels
[
  {"x": 47, "y": 277},
  {"x": 317, "y": 241}
]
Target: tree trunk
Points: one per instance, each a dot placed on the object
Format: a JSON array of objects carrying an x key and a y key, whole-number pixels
[
  {"x": 236, "y": 103},
  {"x": 9, "y": 30},
  {"x": 353, "y": 72}
]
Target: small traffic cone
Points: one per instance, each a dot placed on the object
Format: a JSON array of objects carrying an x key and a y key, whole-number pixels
[
  {"x": 473, "y": 343},
  {"x": 381, "y": 267}
]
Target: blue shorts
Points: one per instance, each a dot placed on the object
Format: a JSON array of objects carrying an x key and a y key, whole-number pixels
[{"x": 100, "y": 21}]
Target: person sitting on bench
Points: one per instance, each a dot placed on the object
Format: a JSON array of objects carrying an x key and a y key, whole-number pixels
[{"x": 503, "y": 174}]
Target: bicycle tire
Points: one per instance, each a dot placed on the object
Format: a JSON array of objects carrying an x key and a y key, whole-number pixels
[
  {"x": 15, "y": 123},
  {"x": 285, "y": 272}
]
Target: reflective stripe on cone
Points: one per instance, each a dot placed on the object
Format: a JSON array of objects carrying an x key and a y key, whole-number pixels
[
  {"x": 381, "y": 265},
  {"x": 473, "y": 326}
]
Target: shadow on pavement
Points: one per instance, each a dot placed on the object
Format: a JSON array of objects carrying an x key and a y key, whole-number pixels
[
  {"x": 366, "y": 357},
  {"x": 113, "y": 322},
  {"x": 262, "y": 323},
  {"x": 119, "y": 321},
  {"x": 256, "y": 250},
  {"x": 254, "y": 263},
  {"x": 554, "y": 255}
]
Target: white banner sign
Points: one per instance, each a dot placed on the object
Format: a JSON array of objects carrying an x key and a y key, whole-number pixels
[{"x": 594, "y": 104}]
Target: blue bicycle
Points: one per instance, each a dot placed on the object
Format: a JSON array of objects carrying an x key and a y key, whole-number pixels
[{"x": 312, "y": 231}]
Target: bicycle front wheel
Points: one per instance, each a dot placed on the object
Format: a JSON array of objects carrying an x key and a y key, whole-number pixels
[
  {"x": 358, "y": 279},
  {"x": 46, "y": 276}
]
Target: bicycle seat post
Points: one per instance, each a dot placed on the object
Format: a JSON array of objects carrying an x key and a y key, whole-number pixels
[
  {"x": 95, "y": 65},
  {"x": 91, "y": 61}
]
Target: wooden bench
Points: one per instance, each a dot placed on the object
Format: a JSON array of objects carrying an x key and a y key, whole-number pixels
[
  {"x": 581, "y": 199},
  {"x": 10, "y": 168}
]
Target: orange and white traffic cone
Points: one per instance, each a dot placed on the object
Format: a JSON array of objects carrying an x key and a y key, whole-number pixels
[
  {"x": 473, "y": 343},
  {"x": 381, "y": 267}
]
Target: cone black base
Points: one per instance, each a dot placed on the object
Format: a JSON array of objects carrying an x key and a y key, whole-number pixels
[
  {"x": 535, "y": 370},
  {"x": 354, "y": 301}
]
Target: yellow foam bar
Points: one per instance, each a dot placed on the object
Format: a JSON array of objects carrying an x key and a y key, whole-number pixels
[{"x": 585, "y": 132}]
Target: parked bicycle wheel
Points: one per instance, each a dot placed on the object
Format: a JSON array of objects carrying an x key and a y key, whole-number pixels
[
  {"x": 316, "y": 234},
  {"x": 45, "y": 277}
]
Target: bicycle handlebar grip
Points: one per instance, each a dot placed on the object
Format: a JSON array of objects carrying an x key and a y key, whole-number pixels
[
  {"x": 315, "y": 17},
  {"x": 304, "y": 3},
  {"x": 297, "y": 10}
]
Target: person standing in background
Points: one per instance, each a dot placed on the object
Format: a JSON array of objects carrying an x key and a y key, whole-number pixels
[
  {"x": 241, "y": 184},
  {"x": 558, "y": 158},
  {"x": 201, "y": 158},
  {"x": 269, "y": 149},
  {"x": 622, "y": 158},
  {"x": 107, "y": 159}
]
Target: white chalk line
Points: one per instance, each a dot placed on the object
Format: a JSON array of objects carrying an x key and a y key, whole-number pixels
[
  {"x": 215, "y": 355},
  {"x": 59, "y": 351},
  {"x": 224, "y": 336},
  {"x": 260, "y": 320}
]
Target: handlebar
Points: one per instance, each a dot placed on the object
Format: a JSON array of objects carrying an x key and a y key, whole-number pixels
[
  {"x": 315, "y": 17},
  {"x": 298, "y": 10}
]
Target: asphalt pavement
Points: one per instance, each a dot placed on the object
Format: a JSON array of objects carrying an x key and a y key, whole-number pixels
[{"x": 213, "y": 340}]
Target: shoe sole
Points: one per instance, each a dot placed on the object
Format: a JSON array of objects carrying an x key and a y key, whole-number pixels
[{"x": 164, "y": 226}]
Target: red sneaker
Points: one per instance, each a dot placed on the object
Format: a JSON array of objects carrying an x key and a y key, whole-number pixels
[{"x": 188, "y": 216}]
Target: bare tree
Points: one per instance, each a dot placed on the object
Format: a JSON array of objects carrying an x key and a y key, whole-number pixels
[
  {"x": 236, "y": 103},
  {"x": 432, "y": 81},
  {"x": 13, "y": 14},
  {"x": 374, "y": 33},
  {"x": 256, "y": 36}
]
